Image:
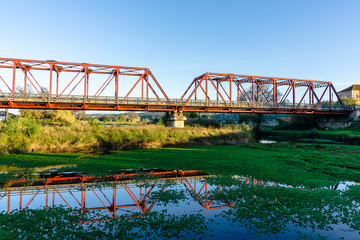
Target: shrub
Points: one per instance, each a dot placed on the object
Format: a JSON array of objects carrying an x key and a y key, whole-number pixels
[
  {"x": 92, "y": 122},
  {"x": 17, "y": 134},
  {"x": 28, "y": 126},
  {"x": 64, "y": 116},
  {"x": 160, "y": 122}
]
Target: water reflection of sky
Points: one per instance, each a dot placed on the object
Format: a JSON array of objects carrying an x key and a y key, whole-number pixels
[{"x": 196, "y": 198}]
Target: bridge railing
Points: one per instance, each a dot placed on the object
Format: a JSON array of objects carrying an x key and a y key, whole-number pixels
[{"x": 79, "y": 99}]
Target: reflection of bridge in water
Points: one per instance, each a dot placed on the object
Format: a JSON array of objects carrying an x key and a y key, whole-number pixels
[
  {"x": 119, "y": 199},
  {"x": 83, "y": 86}
]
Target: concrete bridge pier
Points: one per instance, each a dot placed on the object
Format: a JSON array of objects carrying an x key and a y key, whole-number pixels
[
  {"x": 175, "y": 119},
  {"x": 341, "y": 122}
]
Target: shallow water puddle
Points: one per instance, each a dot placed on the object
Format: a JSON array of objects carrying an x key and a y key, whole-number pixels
[{"x": 237, "y": 207}]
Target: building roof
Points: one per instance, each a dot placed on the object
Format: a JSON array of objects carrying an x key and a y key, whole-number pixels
[{"x": 351, "y": 88}]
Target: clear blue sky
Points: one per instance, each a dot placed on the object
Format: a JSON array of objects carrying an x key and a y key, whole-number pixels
[{"x": 179, "y": 40}]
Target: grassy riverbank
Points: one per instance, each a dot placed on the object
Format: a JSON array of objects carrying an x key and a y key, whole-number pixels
[
  {"x": 293, "y": 164},
  {"x": 24, "y": 135}
]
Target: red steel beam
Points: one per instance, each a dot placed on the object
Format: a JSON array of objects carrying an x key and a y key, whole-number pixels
[
  {"x": 271, "y": 102},
  {"x": 10, "y": 99},
  {"x": 82, "y": 70}
]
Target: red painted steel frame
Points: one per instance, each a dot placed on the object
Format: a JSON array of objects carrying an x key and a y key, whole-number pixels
[
  {"x": 55, "y": 98},
  {"x": 261, "y": 96},
  {"x": 231, "y": 96}
]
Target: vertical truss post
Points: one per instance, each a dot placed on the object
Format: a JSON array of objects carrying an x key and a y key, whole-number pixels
[
  {"x": 253, "y": 91},
  {"x": 25, "y": 78},
  {"x": 85, "y": 82},
  {"x": 13, "y": 81},
  {"x": 147, "y": 86},
  {"x": 217, "y": 92},
  {"x": 238, "y": 92},
  {"x": 231, "y": 80},
  {"x": 117, "y": 85},
  {"x": 206, "y": 92},
  {"x": 275, "y": 92},
  {"x": 312, "y": 94},
  {"x": 293, "y": 86},
  {"x": 142, "y": 89},
  {"x": 57, "y": 83},
  {"x": 330, "y": 98},
  {"x": 50, "y": 83},
  {"x": 196, "y": 90}
]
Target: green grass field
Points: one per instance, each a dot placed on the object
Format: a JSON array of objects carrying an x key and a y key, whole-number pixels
[{"x": 294, "y": 164}]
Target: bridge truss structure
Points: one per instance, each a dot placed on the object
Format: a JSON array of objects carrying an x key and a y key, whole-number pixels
[
  {"x": 245, "y": 93},
  {"x": 34, "y": 84}
]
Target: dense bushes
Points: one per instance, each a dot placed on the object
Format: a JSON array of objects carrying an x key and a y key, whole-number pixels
[
  {"x": 203, "y": 122},
  {"x": 86, "y": 137},
  {"x": 17, "y": 133},
  {"x": 63, "y": 116},
  {"x": 25, "y": 134}
]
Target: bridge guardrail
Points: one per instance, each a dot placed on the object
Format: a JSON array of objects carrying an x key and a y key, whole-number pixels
[{"x": 19, "y": 97}]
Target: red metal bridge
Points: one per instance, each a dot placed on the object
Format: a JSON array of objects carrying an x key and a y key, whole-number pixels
[{"x": 82, "y": 86}]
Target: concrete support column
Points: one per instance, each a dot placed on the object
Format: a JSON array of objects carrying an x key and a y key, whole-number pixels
[{"x": 175, "y": 120}]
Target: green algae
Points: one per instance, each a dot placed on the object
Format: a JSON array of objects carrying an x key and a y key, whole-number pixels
[
  {"x": 292, "y": 164},
  {"x": 61, "y": 223}
]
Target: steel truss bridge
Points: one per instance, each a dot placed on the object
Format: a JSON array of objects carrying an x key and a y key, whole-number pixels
[{"x": 83, "y": 86}]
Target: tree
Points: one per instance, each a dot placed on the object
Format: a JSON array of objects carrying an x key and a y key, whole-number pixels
[
  {"x": 229, "y": 121},
  {"x": 122, "y": 118},
  {"x": 258, "y": 118},
  {"x": 80, "y": 115},
  {"x": 252, "y": 118},
  {"x": 105, "y": 118},
  {"x": 259, "y": 95},
  {"x": 64, "y": 116},
  {"x": 133, "y": 117},
  {"x": 348, "y": 101},
  {"x": 191, "y": 114}
]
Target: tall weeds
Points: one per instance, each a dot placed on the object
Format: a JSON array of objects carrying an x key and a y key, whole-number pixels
[
  {"x": 17, "y": 134},
  {"x": 25, "y": 135}
]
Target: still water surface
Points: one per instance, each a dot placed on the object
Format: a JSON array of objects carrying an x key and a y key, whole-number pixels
[{"x": 205, "y": 196}]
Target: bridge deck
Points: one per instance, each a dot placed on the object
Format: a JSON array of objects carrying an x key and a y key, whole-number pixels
[{"x": 74, "y": 102}]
